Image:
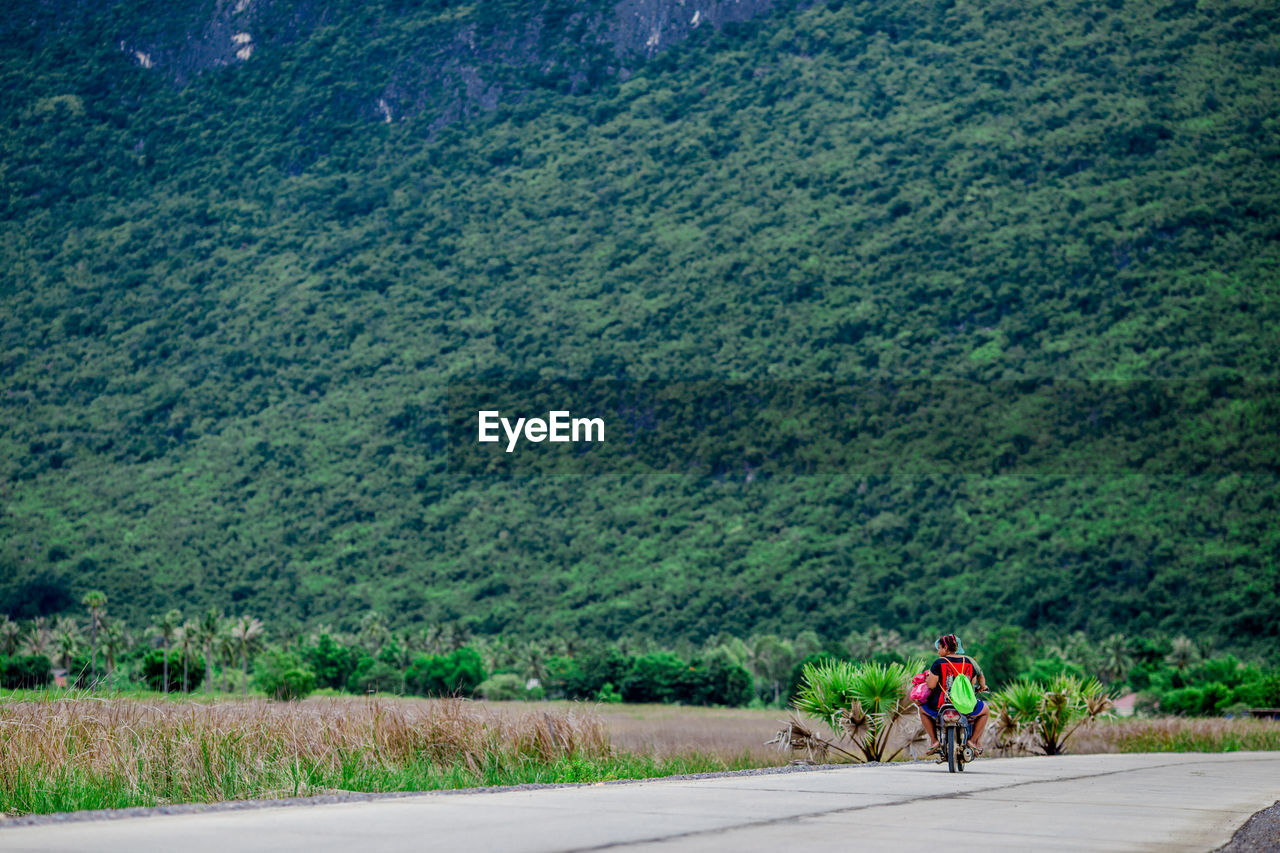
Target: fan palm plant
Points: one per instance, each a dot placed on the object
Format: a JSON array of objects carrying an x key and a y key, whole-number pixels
[
  {"x": 867, "y": 702},
  {"x": 247, "y": 634},
  {"x": 1033, "y": 716}
]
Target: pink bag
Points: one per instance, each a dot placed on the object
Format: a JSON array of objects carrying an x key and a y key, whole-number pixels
[{"x": 920, "y": 692}]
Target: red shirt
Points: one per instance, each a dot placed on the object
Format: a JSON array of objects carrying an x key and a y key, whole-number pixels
[{"x": 962, "y": 664}]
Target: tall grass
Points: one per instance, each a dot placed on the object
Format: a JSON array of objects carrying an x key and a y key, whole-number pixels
[
  {"x": 1195, "y": 735},
  {"x": 80, "y": 753}
]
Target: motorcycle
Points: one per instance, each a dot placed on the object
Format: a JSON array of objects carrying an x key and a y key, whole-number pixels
[{"x": 954, "y": 730}]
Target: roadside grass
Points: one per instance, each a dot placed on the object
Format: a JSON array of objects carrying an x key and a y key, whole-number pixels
[
  {"x": 68, "y": 750},
  {"x": 668, "y": 731},
  {"x": 66, "y": 754},
  {"x": 1195, "y": 735}
]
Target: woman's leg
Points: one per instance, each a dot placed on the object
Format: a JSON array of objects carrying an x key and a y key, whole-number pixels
[
  {"x": 979, "y": 725},
  {"x": 929, "y": 727}
]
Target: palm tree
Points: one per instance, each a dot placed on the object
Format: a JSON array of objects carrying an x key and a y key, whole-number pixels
[
  {"x": 10, "y": 633},
  {"x": 1183, "y": 654},
  {"x": 1116, "y": 659},
  {"x": 456, "y": 636},
  {"x": 226, "y": 653},
  {"x": 533, "y": 660},
  {"x": 247, "y": 634},
  {"x": 186, "y": 638},
  {"x": 96, "y": 601},
  {"x": 373, "y": 631},
  {"x": 67, "y": 636},
  {"x": 205, "y": 635},
  {"x": 115, "y": 639},
  {"x": 772, "y": 658},
  {"x": 165, "y": 626},
  {"x": 431, "y": 639},
  {"x": 37, "y": 642}
]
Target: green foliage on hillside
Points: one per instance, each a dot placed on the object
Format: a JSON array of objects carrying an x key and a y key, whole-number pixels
[{"x": 232, "y": 313}]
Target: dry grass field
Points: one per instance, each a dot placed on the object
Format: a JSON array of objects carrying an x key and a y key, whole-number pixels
[
  {"x": 667, "y": 730},
  {"x": 734, "y": 732},
  {"x": 77, "y": 751}
]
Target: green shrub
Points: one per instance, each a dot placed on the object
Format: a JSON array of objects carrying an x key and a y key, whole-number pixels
[
  {"x": 375, "y": 676},
  {"x": 503, "y": 687},
  {"x": 331, "y": 662},
  {"x": 716, "y": 681},
  {"x": 1262, "y": 692},
  {"x": 1182, "y": 701},
  {"x": 584, "y": 676},
  {"x": 283, "y": 676},
  {"x": 458, "y": 673},
  {"x": 25, "y": 672},
  {"x": 654, "y": 677}
]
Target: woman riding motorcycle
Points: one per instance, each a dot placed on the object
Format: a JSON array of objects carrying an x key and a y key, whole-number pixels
[{"x": 952, "y": 661}]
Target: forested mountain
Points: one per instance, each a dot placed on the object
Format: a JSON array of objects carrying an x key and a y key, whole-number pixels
[{"x": 241, "y": 286}]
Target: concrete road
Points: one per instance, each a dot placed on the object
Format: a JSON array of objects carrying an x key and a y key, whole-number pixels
[{"x": 1087, "y": 802}]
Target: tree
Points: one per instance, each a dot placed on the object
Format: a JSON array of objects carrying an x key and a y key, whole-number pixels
[
  {"x": 154, "y": 668},
  {"x": 67, "y": 637},
  {"x": 10, "y": 634},
  {"x": 96, "y": 601},
  {"x": 164, "y": 628},
  {"x": 283, "y": 676},
  {"x": 533, "y": 661},
  {"x": 373, "y": 631},
  {"x": 1116, "y": 659},
  {"x": 654, "y": 677},
  {"x": 206, "y": 634},
  {"x": 771, "y": 658},
  {"x": 331, "y": 661},
  {"x": 226, "y": 653},
  {"x": 247, "y": 633},
  {"x": 186, "y": 638},
  {"x": 1183, "y": 654},
  {"x": 458, "y": 673},
  {"x": 1000, "y": 656},
  {"x": 115, "y": 639},
  {"x": 875, "y": 643},
  {"x": 38, "y": 637}
]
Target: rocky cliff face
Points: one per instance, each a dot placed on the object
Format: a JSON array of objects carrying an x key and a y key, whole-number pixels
[{"x": 460, "y": 59}]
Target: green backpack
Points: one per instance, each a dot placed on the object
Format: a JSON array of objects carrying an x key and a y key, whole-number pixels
[{"x": 960, "y": 692}]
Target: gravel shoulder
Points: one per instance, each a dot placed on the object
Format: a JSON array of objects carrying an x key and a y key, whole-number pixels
[{"x": 1260, "y": 833}]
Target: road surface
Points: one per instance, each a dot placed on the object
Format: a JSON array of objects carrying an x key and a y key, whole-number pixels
[{"x": 1163, "y": 802}]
